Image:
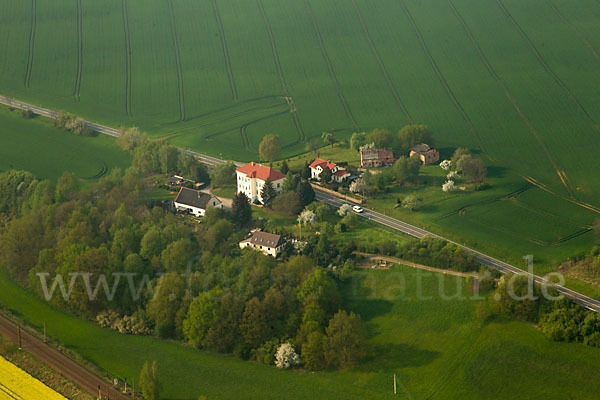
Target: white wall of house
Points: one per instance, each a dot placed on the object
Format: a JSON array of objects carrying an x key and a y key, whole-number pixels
[
  {"x": 199, "y": 212},
  {"x": 269, "y": 251},
  {"x": 252, "y": 187}
]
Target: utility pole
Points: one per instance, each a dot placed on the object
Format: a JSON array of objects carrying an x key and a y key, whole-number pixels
[
  {"x": 99, "y": 393},
  {"x": 19, "y": 335},
  {"x": 394, "y": 383}
]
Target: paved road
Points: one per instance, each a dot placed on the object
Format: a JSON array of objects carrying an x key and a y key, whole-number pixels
[
  {"x": 70, "y": 369},
  {"x": 588, "y": 302},
  {"x": 585, "y": 301}
]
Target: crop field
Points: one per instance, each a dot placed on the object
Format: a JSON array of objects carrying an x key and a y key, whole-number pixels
[
  {"x": 40, "y": 148},
  {"x": 16, "y": 384},
  {"x": 437, "y": 348}
]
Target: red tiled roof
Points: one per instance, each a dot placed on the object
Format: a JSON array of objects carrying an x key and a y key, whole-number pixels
[
  {"x": 254, "y": 170},
  {"x": 341, "y": 172},
  {"x": 322, "y": 163}
]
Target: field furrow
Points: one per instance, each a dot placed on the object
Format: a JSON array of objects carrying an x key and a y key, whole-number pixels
[
  {"x": 381, "y": 64},
  {"x": 180, "y": 85},
  {"x": 510, "y": 97},
  {"x": 31, "y": 43},
  {"x": 542, "y": 61},
  {"x": 276, "y": 59},
  {"x": 127, "y": 59},
  {"x": 587, "y": 44},
  {"x": 77, "y": 90},
  {"x": 332, "y": 73},
  {"x": 441, "y": 77},
  {"x": 234, "y": 94}
]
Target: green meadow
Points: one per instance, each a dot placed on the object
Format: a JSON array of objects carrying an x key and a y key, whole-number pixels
[
  {"x": 37, "y": 146},
  {"x": 436, "y": 346}
]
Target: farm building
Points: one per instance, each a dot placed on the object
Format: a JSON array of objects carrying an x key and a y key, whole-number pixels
[
  {"x": 251, "y": 178},
  {"x": 268, "y": 243},
  {"x": 338, "y": 173},
  {"x": 427, "y": 155},
  {"x": 195, "y": 201},
  {"x": 370, "y": 158}
]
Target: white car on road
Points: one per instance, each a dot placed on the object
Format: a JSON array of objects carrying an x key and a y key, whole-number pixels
[{"x": 357, "y": 209}]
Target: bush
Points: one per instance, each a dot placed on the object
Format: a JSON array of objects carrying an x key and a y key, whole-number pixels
[{"x": 287, "y": 203}]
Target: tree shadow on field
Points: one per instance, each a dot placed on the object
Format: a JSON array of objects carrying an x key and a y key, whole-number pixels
[
  {"x": 359, "y": 297},
  {"x": 495, "y": 171},
  {"x": 386, "y": 357}
]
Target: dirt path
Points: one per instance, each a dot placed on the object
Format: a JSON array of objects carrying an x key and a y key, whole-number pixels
[
  {"x": 395, "y": 260},
  {"x": 70, "y": 369}
]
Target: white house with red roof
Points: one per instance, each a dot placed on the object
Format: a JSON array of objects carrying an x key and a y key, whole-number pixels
[
  {"x": 252, "y": 177},
  {"x": 338, "y": 173}
]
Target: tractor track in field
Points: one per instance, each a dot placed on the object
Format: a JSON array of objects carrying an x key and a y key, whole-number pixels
[
  {"x": 77, "y": 90},
  {"x": 220, "y": 120},
  {"x": 562, "y": 196},
  {"x": 543, "y": 62},
  {"x": 510, "y": 97},
  {"x": 31, "y": 43},
  {"x": 225, "y": 49},
  {"x": 180, "y": 85},
  {"x": 382, "y": 67},
  {"x": 277, "y": 60},
  {"x": 127, "y": 59},
  {"x": 574, "y": 28},
  {"x": 442, "y": 78},
  {"x": 332, "y": 74}
]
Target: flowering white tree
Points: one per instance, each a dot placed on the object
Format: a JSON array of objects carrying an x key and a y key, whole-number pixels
[
  {"x": 446, "y": 165},
  {"x": 358, "y": 186},
  {"x": 307, "y": 217},
  {"x": 452, "y": 176},
  {"x": 344, "y": 209},
  {"x": 367, "y": 146},
  {"x": 286, "y": 357},
  {"x": 449, "y": 186}
]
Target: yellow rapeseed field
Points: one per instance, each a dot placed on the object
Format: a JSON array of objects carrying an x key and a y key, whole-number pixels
[{"x": 16, "y": 384}]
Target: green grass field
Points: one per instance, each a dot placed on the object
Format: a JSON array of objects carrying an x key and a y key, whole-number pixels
[
  {"x": 436, "y": 347},
  {"x": 37, "y": 146}
]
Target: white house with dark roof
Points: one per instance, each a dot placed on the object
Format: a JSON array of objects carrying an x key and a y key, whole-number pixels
[
  {"x": 268, "y": 243},
  {"x": 195, "y": 201}
]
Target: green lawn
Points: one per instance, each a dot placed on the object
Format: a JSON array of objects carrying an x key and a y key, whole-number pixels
[
  {"x": 436, "y": 348},
  {"x": 37, "y": 146}
]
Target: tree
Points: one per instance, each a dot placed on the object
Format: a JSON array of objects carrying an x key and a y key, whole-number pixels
[
  {"x": 474, "y": 170},
  {"x": 357, "y": 140},
  {"x": 305, "y": 172},
  {"x": 287, "y": 203},
  {"x": 224, "y": 174},
  {"x": 381, "y": 138},
  {"x": 446, "y": 165},
  {"x": 325, "y": 175},
  {"x": 254, "y": 327},
  {"x": 411, "y": 135},
  {"x": 268, "y": 193},
  {"x": 312, "y": 145},
  {"x": 306, "y": 193},
  {"x": 346, "y": 340},
  {"x": 516, "y": 296},
  {"x": 200, "y": 318},
  {"x": 449, "y": 186},
  {"x": 270, "y": 148},
  {"x": 291, "y": 182},
  {"x": 177, "y": 254},
  {"x": 329, "y": 138},
  {"x": 597, "y": 228},
  {"x": 313, "y": 351},
  {"x": 129, "y": 138},
  {"x": 358, "y": 186},
  {"x": 411, "y": 202},
  {"x": 458, "y": 154},
  {"x": 149, "y": 382},
  {"x": 284, "y": 167},
  {"x": 168, "y": 156},
  {"x": 307, "y": 217},
  {"x": 66, "y": 187},
  {"x": 165, "y": 304},
  {"x": 344, "y": 209},
  {"x": 286, "y": 357},
  {"x": 406, "y": 169},
  {"x": 241, "y": 210}
]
